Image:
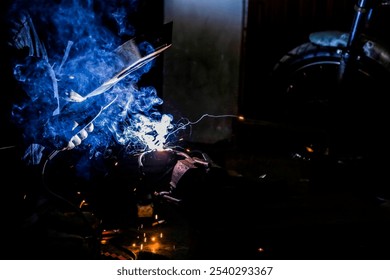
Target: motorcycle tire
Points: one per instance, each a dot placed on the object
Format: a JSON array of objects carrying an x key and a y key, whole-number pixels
[{"x": 308, "y": 96}]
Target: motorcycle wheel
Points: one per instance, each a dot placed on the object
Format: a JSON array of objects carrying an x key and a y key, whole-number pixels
[{"x": 308, "y": 98}]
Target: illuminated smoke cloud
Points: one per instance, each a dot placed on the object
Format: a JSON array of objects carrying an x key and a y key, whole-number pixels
[{"x": 80, "y": 37}]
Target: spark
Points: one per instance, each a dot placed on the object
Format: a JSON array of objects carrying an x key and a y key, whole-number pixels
[{"x": 184, "y": 126}]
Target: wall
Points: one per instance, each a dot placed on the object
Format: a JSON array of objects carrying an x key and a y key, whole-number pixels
[{"x": 202, "y": 68}]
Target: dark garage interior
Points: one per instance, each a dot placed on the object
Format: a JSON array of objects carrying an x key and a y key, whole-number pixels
[{"x": 271, "y": 160}]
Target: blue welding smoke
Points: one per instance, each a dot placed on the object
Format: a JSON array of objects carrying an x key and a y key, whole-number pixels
[{"x": 79, "y": 39}]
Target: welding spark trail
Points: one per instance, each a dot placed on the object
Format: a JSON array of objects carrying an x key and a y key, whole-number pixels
[{"x": 185, "y": 125}]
